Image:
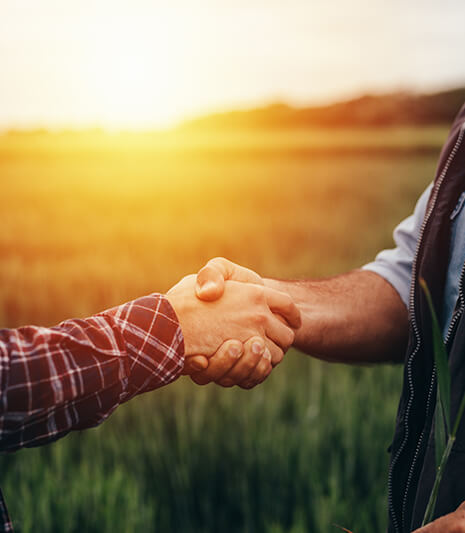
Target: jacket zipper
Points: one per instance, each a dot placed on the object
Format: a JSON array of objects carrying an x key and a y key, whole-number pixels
[
  {"x": 417, "y": 346},
  {"x": 455, "y": 317}
]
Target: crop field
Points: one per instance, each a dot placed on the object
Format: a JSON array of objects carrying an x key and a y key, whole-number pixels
[{"x": 90, "y": 220}]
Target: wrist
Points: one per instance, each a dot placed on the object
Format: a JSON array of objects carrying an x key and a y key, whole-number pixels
[
  {"x": 183, "y": 308},
  {"x": 309, "y": 337}
]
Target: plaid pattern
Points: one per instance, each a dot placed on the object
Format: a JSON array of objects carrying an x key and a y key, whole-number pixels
[{"x": 74, "y": 375}]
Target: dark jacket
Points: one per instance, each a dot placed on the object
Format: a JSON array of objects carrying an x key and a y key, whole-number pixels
[{"x": 412, "y": 468}]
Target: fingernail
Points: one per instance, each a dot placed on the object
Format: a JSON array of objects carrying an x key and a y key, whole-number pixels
[
  {"x": 207, "y": 286},
  {"x": 235, "y": 351},
  {"x": 267, "y": 355},
  {"x": 197, "y": 366},
  {"x": 257, "y": 348}
]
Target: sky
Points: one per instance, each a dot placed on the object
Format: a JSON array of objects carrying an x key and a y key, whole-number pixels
[{"x": 147, "y": 63}]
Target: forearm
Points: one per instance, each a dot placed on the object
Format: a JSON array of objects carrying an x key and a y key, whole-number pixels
[
  {"x": 72, "y": 376},
  {"x": 356, "y": 317}
]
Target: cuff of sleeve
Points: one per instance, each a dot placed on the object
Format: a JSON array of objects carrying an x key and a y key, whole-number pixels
[
  {"x": 154, "y": 343},
  {"x": 393, "y": 278}
]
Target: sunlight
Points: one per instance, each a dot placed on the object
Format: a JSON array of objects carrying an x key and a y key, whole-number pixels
[
  {"x": 145, "y": 64},
  {"x": 132, "y": 74}
]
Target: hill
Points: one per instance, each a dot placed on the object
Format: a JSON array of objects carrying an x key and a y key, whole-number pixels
[{"x": 402, "y": 108}]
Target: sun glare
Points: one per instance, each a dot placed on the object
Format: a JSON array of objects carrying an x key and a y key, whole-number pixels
[
  {"x": 133, "y": 73},
  {"x": 145, "y": 63}
]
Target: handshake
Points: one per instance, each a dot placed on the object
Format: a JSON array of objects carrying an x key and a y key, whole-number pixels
[{"x": 235, "y": 327}]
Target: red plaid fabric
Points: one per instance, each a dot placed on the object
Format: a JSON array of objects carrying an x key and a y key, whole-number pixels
[{"x": 74, "y": 375}]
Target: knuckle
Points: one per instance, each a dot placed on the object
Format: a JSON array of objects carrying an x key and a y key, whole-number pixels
[
  {"x": 217, "y": 262},
  {"x": 258, "y": 294},
  {"x": 205, "y": 273},
  {"x": 249, "y": 365}
]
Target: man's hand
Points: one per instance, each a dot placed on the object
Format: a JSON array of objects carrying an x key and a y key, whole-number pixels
[
  {"x": 245, "y": 311},
  {"x": 450, "y": 523},
  {"x": 209, "y": 287},
  {"x": 356, "y": 317},
  {"x": 222, "y": 369},
  {"x": 246, "y": 365}
]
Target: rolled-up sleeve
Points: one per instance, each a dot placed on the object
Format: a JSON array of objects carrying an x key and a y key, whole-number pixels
[
  {"x": 74, "y": 375},
  {"x": 395, "y": 265}
]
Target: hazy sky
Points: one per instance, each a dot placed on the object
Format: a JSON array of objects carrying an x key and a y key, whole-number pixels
[{"x": 141, "y": 63}]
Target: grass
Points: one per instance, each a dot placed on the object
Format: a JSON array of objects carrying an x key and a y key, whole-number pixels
[{"x": 91, "y": 221}]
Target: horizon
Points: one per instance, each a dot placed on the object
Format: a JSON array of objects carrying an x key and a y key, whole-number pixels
[
  {"x": 145, "y": 66},
  {"x": 220, "y": 114}
]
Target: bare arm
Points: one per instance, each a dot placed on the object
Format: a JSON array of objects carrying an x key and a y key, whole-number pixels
[{"x": 356, "y": 317}]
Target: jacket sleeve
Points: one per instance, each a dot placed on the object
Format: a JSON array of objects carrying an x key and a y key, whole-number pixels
[{"x": 74, "y": 375}]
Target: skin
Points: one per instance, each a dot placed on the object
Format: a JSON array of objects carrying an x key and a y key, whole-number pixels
[
  {"x": 246, "y": 317},
  {"x": 450, "y": 523},
  {"x": 357, "y": 317},
  {"x": 250, "y": 367}
]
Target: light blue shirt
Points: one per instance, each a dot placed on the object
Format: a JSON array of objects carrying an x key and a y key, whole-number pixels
[{"x": 395, "y": 265}]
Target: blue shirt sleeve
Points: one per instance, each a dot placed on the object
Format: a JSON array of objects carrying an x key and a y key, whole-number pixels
[{"x": 395, "y": 265}]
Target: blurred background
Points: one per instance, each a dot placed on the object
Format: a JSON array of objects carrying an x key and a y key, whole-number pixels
[{"x": 138, "y": 140}]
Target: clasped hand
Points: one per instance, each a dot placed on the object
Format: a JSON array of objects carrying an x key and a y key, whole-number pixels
[{"x": 235, "y": 328}]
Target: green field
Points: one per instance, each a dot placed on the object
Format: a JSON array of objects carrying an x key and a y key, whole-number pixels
[{"x": 89, "y": 221}]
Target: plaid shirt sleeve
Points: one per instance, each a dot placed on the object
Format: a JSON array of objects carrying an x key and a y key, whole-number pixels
[{"x": 74, "y": 375}]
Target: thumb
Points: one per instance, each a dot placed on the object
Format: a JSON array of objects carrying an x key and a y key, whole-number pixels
[
  {"x": 211, "y": 278},
  {"x": 210, "y": 283}
]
